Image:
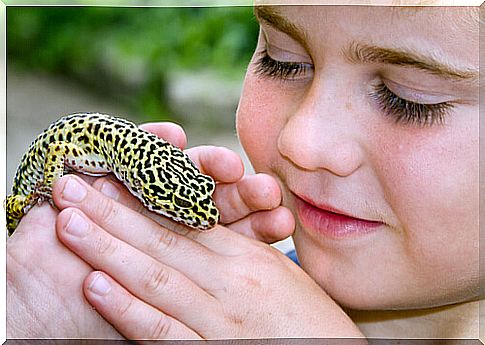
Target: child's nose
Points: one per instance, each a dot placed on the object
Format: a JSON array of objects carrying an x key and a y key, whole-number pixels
[{"x": 315, "y": 137}]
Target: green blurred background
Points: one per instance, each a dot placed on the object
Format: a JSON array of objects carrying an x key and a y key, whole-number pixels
[{"x": 131, "y": 55}]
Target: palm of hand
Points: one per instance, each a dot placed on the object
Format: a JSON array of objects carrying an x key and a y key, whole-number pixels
[{"x": 44, "y": 279}]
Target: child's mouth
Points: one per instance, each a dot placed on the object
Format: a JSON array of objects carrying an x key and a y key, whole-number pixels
[{"x": 330, "y": 222}]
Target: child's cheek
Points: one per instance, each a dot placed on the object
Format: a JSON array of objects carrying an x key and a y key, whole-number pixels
[
  {"x": 259, "y": 120},
  {"x": 432, "y": 188}
]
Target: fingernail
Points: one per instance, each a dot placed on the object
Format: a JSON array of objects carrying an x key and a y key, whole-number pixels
[
  {"x": 110, "y": 190},
  {"x": 77, "y": 225},
  {"x": 73, "y": 191},
  {"x": 100, "y": 286}
]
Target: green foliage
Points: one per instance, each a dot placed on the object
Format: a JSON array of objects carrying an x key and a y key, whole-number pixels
[{"x": 128, "y": 52}]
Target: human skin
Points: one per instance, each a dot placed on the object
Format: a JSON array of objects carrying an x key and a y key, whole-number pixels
[
  {"x": 38, "y": 288},
  {"x": 325, "y": 138},
  {"x": 356, "y": 158},
  {"x": 381, "y": 136}
]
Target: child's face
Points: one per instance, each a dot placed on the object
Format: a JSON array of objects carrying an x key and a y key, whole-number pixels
[{"x": 371, "y": 116}]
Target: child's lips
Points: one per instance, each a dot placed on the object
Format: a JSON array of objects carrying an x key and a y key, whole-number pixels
[{"x": 331, "y": 222}]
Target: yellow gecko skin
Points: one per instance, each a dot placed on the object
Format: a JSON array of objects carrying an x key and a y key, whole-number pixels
[{"x": 159, "y": 174}]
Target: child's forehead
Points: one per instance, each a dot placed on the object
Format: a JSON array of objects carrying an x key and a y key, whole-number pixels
[
  {"x": 437, "y": 21},
  {"x": 461, "y": 15}
]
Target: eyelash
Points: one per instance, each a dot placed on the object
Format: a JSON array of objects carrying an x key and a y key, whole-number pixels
[
  {"x": 402, "y": 110},
  {"x": 408, "y": 112},
  {"x": 285, "y": 70}
]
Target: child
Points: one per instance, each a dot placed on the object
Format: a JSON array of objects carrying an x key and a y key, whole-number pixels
[{"x": 364, "y": 122}]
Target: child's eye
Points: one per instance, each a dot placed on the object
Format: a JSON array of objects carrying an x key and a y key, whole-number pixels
[
  {"x": 408, "y": 112},
  {"x": 285, "y": 70}
]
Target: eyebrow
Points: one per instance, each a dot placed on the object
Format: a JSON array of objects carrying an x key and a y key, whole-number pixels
[
  {"x": 365, "y": 53},
  {"x": 270, "y": 15}
]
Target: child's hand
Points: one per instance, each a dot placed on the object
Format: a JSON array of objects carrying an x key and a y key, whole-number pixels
[
  {"x": 249, "y": 205},
  {"x": 157, "y": 284},
  {"x": 44, "y": 299}
]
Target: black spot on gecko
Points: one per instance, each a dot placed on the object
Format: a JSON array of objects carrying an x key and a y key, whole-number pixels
[
  {"x": 200, "y": 214},
  {"x": 96, "y": 128},
  {"x": 84, "y": 138},
  {"x": 157, "y": 190},
  {"x": 151, "y": 176}
]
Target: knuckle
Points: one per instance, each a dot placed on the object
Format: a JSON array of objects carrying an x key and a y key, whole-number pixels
[
  {"x": 160, "y": 328},
  {"x": 125, "y": 310},
  {"x": 155, "y": 280},
  {"x": 106, "y": 246},
  {"x": 106, "y": 210},
  {"x": 162, "y": 243}
]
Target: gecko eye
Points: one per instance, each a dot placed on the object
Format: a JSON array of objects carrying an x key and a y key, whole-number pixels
[{"x": 181, "y": 202}]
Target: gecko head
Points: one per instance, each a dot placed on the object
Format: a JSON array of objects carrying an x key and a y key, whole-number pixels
[{"x": 183, "y": 196}]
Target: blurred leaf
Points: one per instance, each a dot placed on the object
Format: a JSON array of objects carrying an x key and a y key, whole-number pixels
[{"x": 129, "y": 52}]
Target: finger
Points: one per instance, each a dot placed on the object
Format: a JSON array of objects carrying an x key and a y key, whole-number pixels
[
  {"x": 266, "y": 226},
  {"x": 168, "y": 131},
  {"x": 251, "y": 193},
  {"x": 221, "y": 163},
  {"x": 131, "y": 227},
  {"x": 162, "y": 286},
  {"x": 144, "y": 233},
  {"x": 115, "y": 190},
  {"x": 235, "y": 201},
  {"x": 132, "y": 317}
]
